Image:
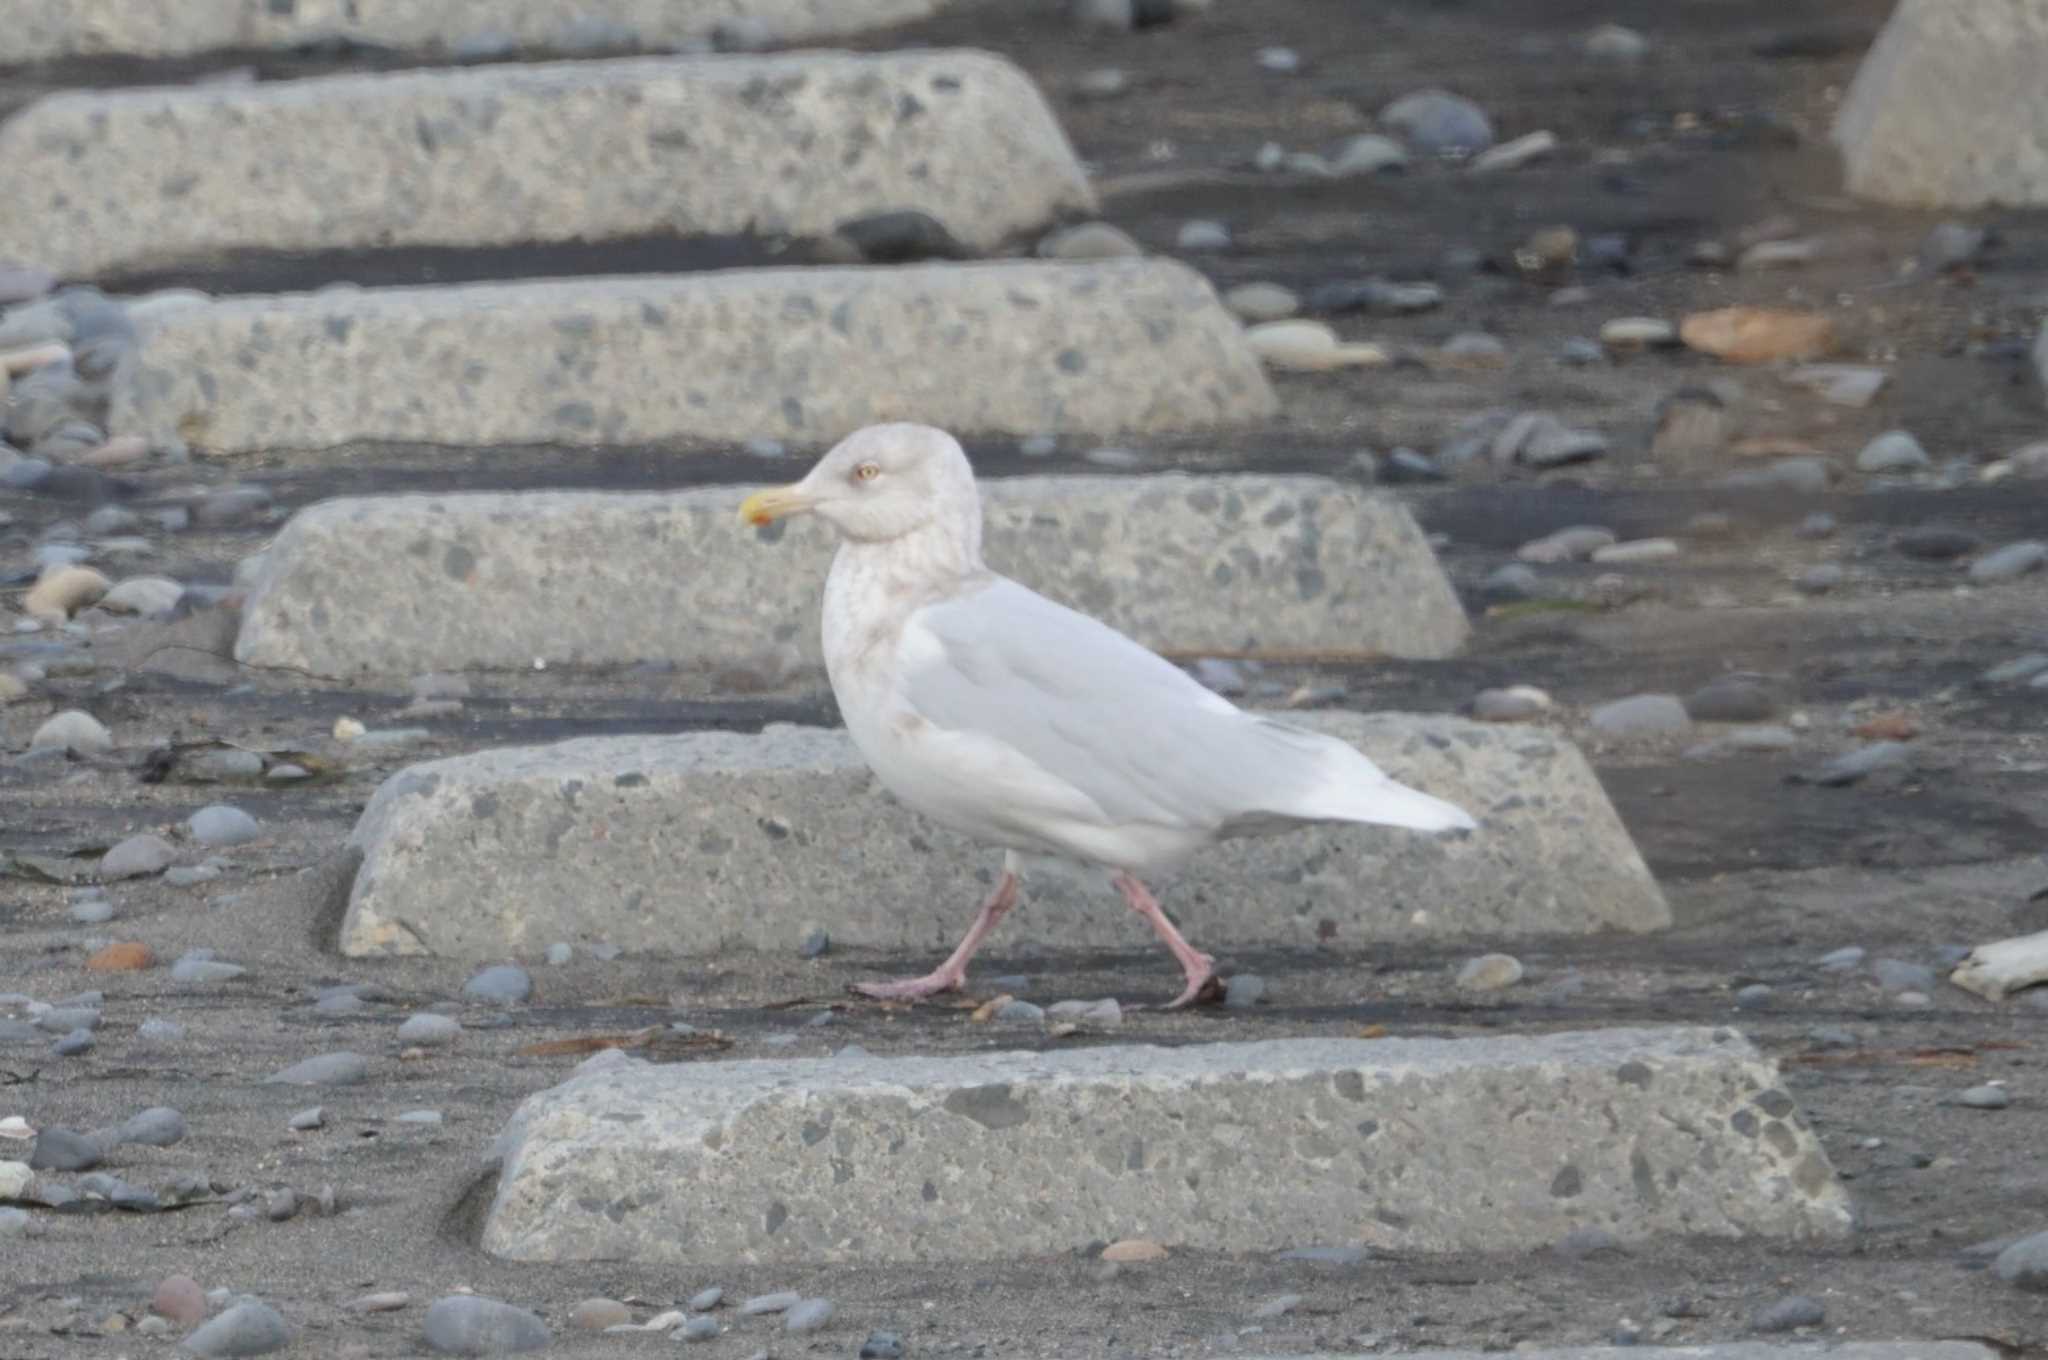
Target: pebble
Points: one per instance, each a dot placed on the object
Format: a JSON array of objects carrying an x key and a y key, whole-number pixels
[
  {"x": 1514, "y": 154},
  {"x": 559, "y": 953},
  {"x": 307, "y": 1120},
  {"x": 1778, "y": 255},
  {"x": 503, "y": 984},
  {"x": 1279, "y": 60},
  {"x": 200, "y": 971},
  {"x": 1893, "y": 451},
  {"x": 1513, "y": 581},
  {"x": 428, "y": 1030},
  {"x": 1308, "y": 347},
  {"x": 1818, "y": 525},
  {"x": 72, "y": 730},
  {"x": 1104, "y": 82},
  {"x": 1105, "y": 1013},
  {"x": 1860, "y": 763},
  {"x": 1897, "y": 975},
  {"x": 66, "y": 1150},
  {"x": 1637, "y": 550},
  {"x": 1243, "y": 991},
  {"x": 1854, "y": 385},
  {"x": 280, "y": 1205},
  {"x": 158, "y": 1126},
  {"x": 1575, "y": 544},
  {"x": 1473, "y": 349},
  {"x": 160, "y": 1031},
  {"x": 386, "y": 1301},
  {"x": 1788, "y": 1314},
  {"x": 1755, "y": 995},
  {"x": 1019, "y": 1013},
  {"x": 222, "y": 824},
  {"x": 594, "y": 1315},
  {"x": 470, "y": 1324},
  {"x": 1986, "y": 1097},
  {"x": 71, "y": 1045},
  {"x": 1262, "y": 301},
  {"x": 138, "y": 857},
  {"x": 1732, "y": 699},
  {"x": 1278, "y": 1306},
  {"x": 180, "y": 1299},
  {"x": 1841, "y": 960},
  {"x": 1949, "y": 245},
  {"x": 1819, "y": 580},
  {"x": 15, "y": 1222},
  {"x": 1437, "y": 122},
  {"x": 1758, "y": 335},
  {"x": 1089, "y": 241},
  {"x": 1516, "y": 703},
  {"x": 2024, "y": 1264},
  {"x": 420, "y": 1117},
  {"x": 771, "y": 1303},
  {"x": 808, "y": 1316},
  {"x": 63, "y": 591},
  {"x": 1638, "y": 332},
  {"x": 1640, "y": 715},
  {"x": 1369, "y": 154},
  {"x": 699, "y": 1329},
  {"x": 2010, "y": 562},
  {"x": 882, "y": 1346},
  {"x": 1490, "y": 972},
  {"x": 704, "y": 1300},
  {"x": 191, "y": 876},
  {"x": 93, "y": 911},
  {"x": 1614, "y": 42},
  {"x": 328, "y": 1069},
  {"x": 1200, "y": 235}
]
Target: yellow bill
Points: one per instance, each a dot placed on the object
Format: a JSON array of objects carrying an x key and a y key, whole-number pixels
[{"x": 765, "y": 507}]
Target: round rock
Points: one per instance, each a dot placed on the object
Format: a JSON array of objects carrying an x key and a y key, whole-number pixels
[
  {"x": 469, "y": 1324},
  {"x": 72, "y": 730},
  {"x": 429, "y": 1030},
  {"x": 222, "y": 824},
  {"x": 503, "y": 984},
  {"x": 1436, "y": 121},
  {"x": 248, "y": 1328},
  {"x": 1490, "y": 972},
  {"x": 138, "y": 857}
]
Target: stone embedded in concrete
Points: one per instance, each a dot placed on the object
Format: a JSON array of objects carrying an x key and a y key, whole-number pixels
[
  {"x": 1416, "y": 1145},
  {"x": 802, "y": 355},
  {"x": 711, "y": 841},
  {"x": 402, "y": 585},
  {"x": 1948, "y": 109},
  {"x": 1725, "y": 1350},
  {"x": 43, "y": 30},
  {"x": 513, "y": 154}
]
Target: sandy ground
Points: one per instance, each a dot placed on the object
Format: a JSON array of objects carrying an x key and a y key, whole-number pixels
[{"x": 1765, "y": 874}]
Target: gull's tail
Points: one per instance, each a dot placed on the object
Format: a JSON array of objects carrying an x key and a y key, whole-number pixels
[{"x": 1338, "y": 784}]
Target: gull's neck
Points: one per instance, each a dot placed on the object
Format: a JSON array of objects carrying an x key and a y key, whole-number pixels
[{"x": 941, "y": 551}]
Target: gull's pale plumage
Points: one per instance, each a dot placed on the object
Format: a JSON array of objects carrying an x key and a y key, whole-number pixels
[{"x": 1018, "y": 721}]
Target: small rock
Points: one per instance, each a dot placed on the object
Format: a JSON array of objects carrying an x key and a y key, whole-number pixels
[
  {"x": 15, "y": 1223},
  {"x": 882, "y": 1346},
  {"x": 704, "y": 1300},
  {"x": 2009, "y": 562},
  {"x": 1243, "y": 991},
  {"x": 1133, "y": 1251},
  {"x": 1841, "y": 384},
  {"x": 1437, "y": 122},
  {"x": 62, "y": 591},
  {"x": 1516, "y": 703},
  {"x": 1841, "y": 960},
  {"x": 1489, "y": 972},
  {"x": 1640, "y": 715},
  {"x": 1089, "y": 241},
  {"x": 1106, "y": 1013},
  {"x": 158, "y": 1126},
  {"x": 204, "y": 970},
  {"x": 1753, "y": 996},
  {"x": 1861, "y": 763},
  {"x": 137, "y": 857},
  {"x": 1513, "y": 581},
  {"x": 1819, "y": 580},
  {"x": 73, "y": 731},
  {"x": 2024, "y": 1264},
  {"x": 1279, "y": 60},
  {"x": 71, "y": 1045},
  {"x": 386, "y": 1301},
  {"x": 143, "y": 595},
  {"x": 1778, "y": 255},
  {"x": 594, "y": 1315},
  {"x": 1203, "y": 236},
  {"x": 559, "y": 953},
  {"x": 1575, "y": 544},
  {"x": 1818, "y": 525},
  {"x": 1369, "y": 154},
  {"x": 470, "y": 1324},
  {"x": 307, "y": 1120},
  {"x": 698, "y": 1329},
  {"x": 420, "y": 1117},
  {"x": 160, "y": 1031},
  {"x": 66, "y": 1150},
  {"x": 1893, "y": 451},
  {"x": 1614, "y": 42},
  {"x": 901, "y": 237},
  {"x": 808, "y": 1316},
  {"x": 1936, "y": 543},
  {"x": 1473, "y": 349},
  {"x": 1514, "y": 154},
  {"x": 1582, "y": 1242},
  {"x": 428, "y": 1030},
  {"x": 1308, "y": 347},
  {"x": 223, "y": 825},
  {"x": 1638, "y": 332},
  {"x": 503, "y": 984},
  {"x": 123, "y": 956},
  {"x": 329, "y": 1069},
  {"x": 1637, "y": 550},
  {"x": 190, "y": 876},
  {"x": 780, "y": 1302},
  {"x": 1104, "y": 82},
  {"x": 1262, "y": 302},
  {"x": 1758, "y": 335},
  {"x": 1788, "y": 1314},
  {"x": 815, "y": 945},
  {"x": 1949, "y": 245},
  {"x": 1898, "y": 975},
  {"x": 1732, "y": 699},
  {"x": 1986, "y": 1097},
  {"x": 180, "y": 1299},
  {"x": 1019, "y": 1013}
]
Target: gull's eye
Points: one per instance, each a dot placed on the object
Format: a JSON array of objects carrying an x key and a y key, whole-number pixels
[{"x": 867, "y": 472}]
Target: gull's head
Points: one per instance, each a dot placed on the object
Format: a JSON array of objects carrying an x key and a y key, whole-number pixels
[{"x": 881, "y": 483}]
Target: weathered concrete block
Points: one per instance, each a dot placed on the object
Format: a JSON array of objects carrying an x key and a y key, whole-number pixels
[
  {"x": 510, "y": 154},
  {"x": 398, "y": 585},
  {"x": 39, "y": 30},
  {"x": 720, "y": 840},
  {"x": 1949, "y": 109},
  {"x": 802, "y": 354},
  {"x": 1422, "y": 1145}
]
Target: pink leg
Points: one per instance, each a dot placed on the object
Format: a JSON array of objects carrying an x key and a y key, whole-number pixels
[
  {"x": 1199, "y": 967},
  {"x": 951, "y": 975}
]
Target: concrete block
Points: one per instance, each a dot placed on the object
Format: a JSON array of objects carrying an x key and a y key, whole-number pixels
[
  {"x": 42, "y": 30},
  {"x": 395, "y": 586},
  {"x": 708, "y": 841},
  {"x": 102, "y": 181},
  {"x": 1413, "y": 1145},
  {"x": 1949, "y": 109},
  {"x": 804, "y": 355}
]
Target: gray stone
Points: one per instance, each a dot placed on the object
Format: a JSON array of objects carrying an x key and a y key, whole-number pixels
[
  {"x": 1732, "y": 698},
  {"x": 1893, "y": 451},
  {"x": 329, "y": 1069},
  {"x": 1489, "y": 972},
  {"x": 1576, "y": 544},
  {"x": 1936, "y": 543},
  {"x": 504, "y": 984},
  {"x": 470, "y": 1324},
  {"x": 222, "y": 825},
  {"x": 704, "y": 1300},
  {"x": 1197, "y": 564},
  {"x": 808, "y": 355},
  {"x": 1368, "y": 154},
  {"x": 308, "y": 1119},
  {"x": 943, "y": 1158},
  {"x": 508, "y": 154},
  {"x": 1788, "y": 1314},
  {"x": 1202, "y": 237},
  {"x": 2019, "y": 668},
  {"x": 94, "y": 911},
  {"x": 205, "y": 971},
  {"x": 144, "y": 595},
  {"x": 471, "y": 856},
  {"x": 160, "y": 1031},
  {"x": 1986, "y": 1097},
  {"x": 2009, "y": 562},
  {"x": 1859, "y": 764},
  {"x": 1435, "y": 121},
  {"x": 1805, "y": 475},
  {"x": 808, "y": 1316},
  {"x": 158, "y": 1126},
  {"x": 1945, "y": 111},
  {"x": 1241, "y": 991},
  {"x": 247, "y": 1328},
  {"x": 698, "y": 1329},
  {"x": 15, "y": 1222},
  {"x": 779, "y": 1302},
  {"x": 1821, "y": 578},
  {"x": 59, "y": 1149},
  {"x": 1089, "y": 241},
  {"x": 71, "y": 1045},
  {"x": 1841, "y": 960},
  {"x": 72, "y": 730},
  {"x": 1897, "y": 975},
  {"x": 882, "y": 1346},
  {"x": 1754, "y": 996},
  {"x": 429, "y": 1030},
  {"x": 138, "y": 857},
  {"x": 2025, "y": 1263},
  {"x": 192, "y": 876},
  {"x": 1640, "y": 715}
]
